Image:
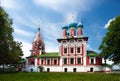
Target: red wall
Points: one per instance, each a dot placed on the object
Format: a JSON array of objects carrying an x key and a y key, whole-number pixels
[{"x": 98, "y": 61}]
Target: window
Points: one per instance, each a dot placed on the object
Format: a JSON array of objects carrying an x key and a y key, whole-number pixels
[
  {"x": 78, "y": 49},
  {"x": 71, "y": 41},
  {"x": 79, "y": 40},
  {"x": 55, "y": 61},
  {"x": 78, "y": 60},
  {"x": 72, "y": 50},
  {"x": 65, "y": 60},
  {"x": 65, "y": 50},
  {"x": 92, "y": 61},
  {"x": 41, "y": 61},
  {"x": 63, "y": 41},
  {"x": 48, "y": 61},
  {"x": 71, "y": 61}
]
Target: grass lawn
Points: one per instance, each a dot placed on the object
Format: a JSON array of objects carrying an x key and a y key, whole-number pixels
[{"x": 59, "y": 77}]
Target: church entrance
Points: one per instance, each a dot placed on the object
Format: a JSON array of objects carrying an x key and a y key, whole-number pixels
[
  {"x": 65, "y": 69},
  {"x": 74, "y": 69},
  {"x": 31, "y": 69},
  {"x": 48, "y": 69}
]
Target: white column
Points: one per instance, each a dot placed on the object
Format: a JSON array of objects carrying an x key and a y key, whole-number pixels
[
  {"x": 35, "y": 61},
  {"x": 84, "y": 57}
]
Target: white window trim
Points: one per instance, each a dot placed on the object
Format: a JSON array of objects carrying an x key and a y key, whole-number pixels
[
  {"x": 81, "y": 60},
  {"x": 94, "y": 62},
  {"x": 64, "y": 41},
  {"x": 64, "y": 52}
]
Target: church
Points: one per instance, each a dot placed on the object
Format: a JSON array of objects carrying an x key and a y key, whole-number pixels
[{"x": 72, "y": 56}]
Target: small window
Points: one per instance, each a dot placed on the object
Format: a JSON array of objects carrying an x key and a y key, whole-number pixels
[
  {"x": 48, "y": 61},
  {"x": 71, "y": 41},
  {"x": 79, "y": 40},
  {"x": 78, "y": 49},
  {"x": 79, "y": 60},
  {"x": 55, "y": 61},
  {"x": 64, "y": 42},
  {"x": 92, "y": 61},
  {"x": 41, "y": 61},
  {"x": 71, "y": 61},
  {"x": 72, "y": 50},
  {"x": 65, "y": 50},
  {"x": 65, "y": 60}
]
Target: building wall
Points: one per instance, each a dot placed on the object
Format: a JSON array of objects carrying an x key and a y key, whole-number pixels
[{"x": 69, "y": 68}]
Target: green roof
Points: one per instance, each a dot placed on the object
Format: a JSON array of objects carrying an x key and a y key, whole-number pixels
[
  {"x": 52, "y": 54},
  {"x": 31, "y": 56},
  {"x": 91, "y": 53}
]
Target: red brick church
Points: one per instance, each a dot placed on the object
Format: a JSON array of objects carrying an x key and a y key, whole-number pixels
[{"x": 72, "y": 56}]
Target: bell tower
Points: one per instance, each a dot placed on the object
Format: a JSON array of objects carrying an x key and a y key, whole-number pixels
[{"x": 38, "y": 46}]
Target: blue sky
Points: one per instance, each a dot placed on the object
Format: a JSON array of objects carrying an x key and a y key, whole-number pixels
[{"x": 95, "y": 15}]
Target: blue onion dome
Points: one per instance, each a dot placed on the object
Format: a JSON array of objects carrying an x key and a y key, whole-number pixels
[
  {"x": 79, "y": 25},
  {"x": 65, "y": 27},
  {"x": 73, "y": 24}
]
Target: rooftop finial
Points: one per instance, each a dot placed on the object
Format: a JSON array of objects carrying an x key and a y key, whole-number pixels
[
  {"x": 65, "y": 22},
  {"x": 73, "y": 17},
  {"x": 80, "y": 21},
  {"x": 38, "y": 25}
]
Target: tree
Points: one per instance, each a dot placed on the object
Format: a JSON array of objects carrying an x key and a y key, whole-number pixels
[
  {"x": 9, "y": 49},
  {"x": 110, "y": 46},
  {"x": 41, "y": 68}
]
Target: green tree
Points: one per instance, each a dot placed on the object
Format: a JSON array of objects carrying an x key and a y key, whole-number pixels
[
  {"x": 110, "y": 46},
  {"x": 9, "y": 49}
]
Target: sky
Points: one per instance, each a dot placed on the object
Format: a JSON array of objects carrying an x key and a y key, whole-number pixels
[{"x": 52, "y": 15}]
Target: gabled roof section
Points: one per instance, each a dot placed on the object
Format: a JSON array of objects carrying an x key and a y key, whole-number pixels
[{"x": 91, "y": 53}]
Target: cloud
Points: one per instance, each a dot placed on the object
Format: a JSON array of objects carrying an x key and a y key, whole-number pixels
[
  {"x": 66, "y": 7},
  {"x": 91, "y": 48},
  {"x": 51, "y": 47},
  {"x": 23, "y": 33},
  {"x": 11, "y": 4},
  {"x": 108, "y": 23},
  {"x": 26, "y": 47}
]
